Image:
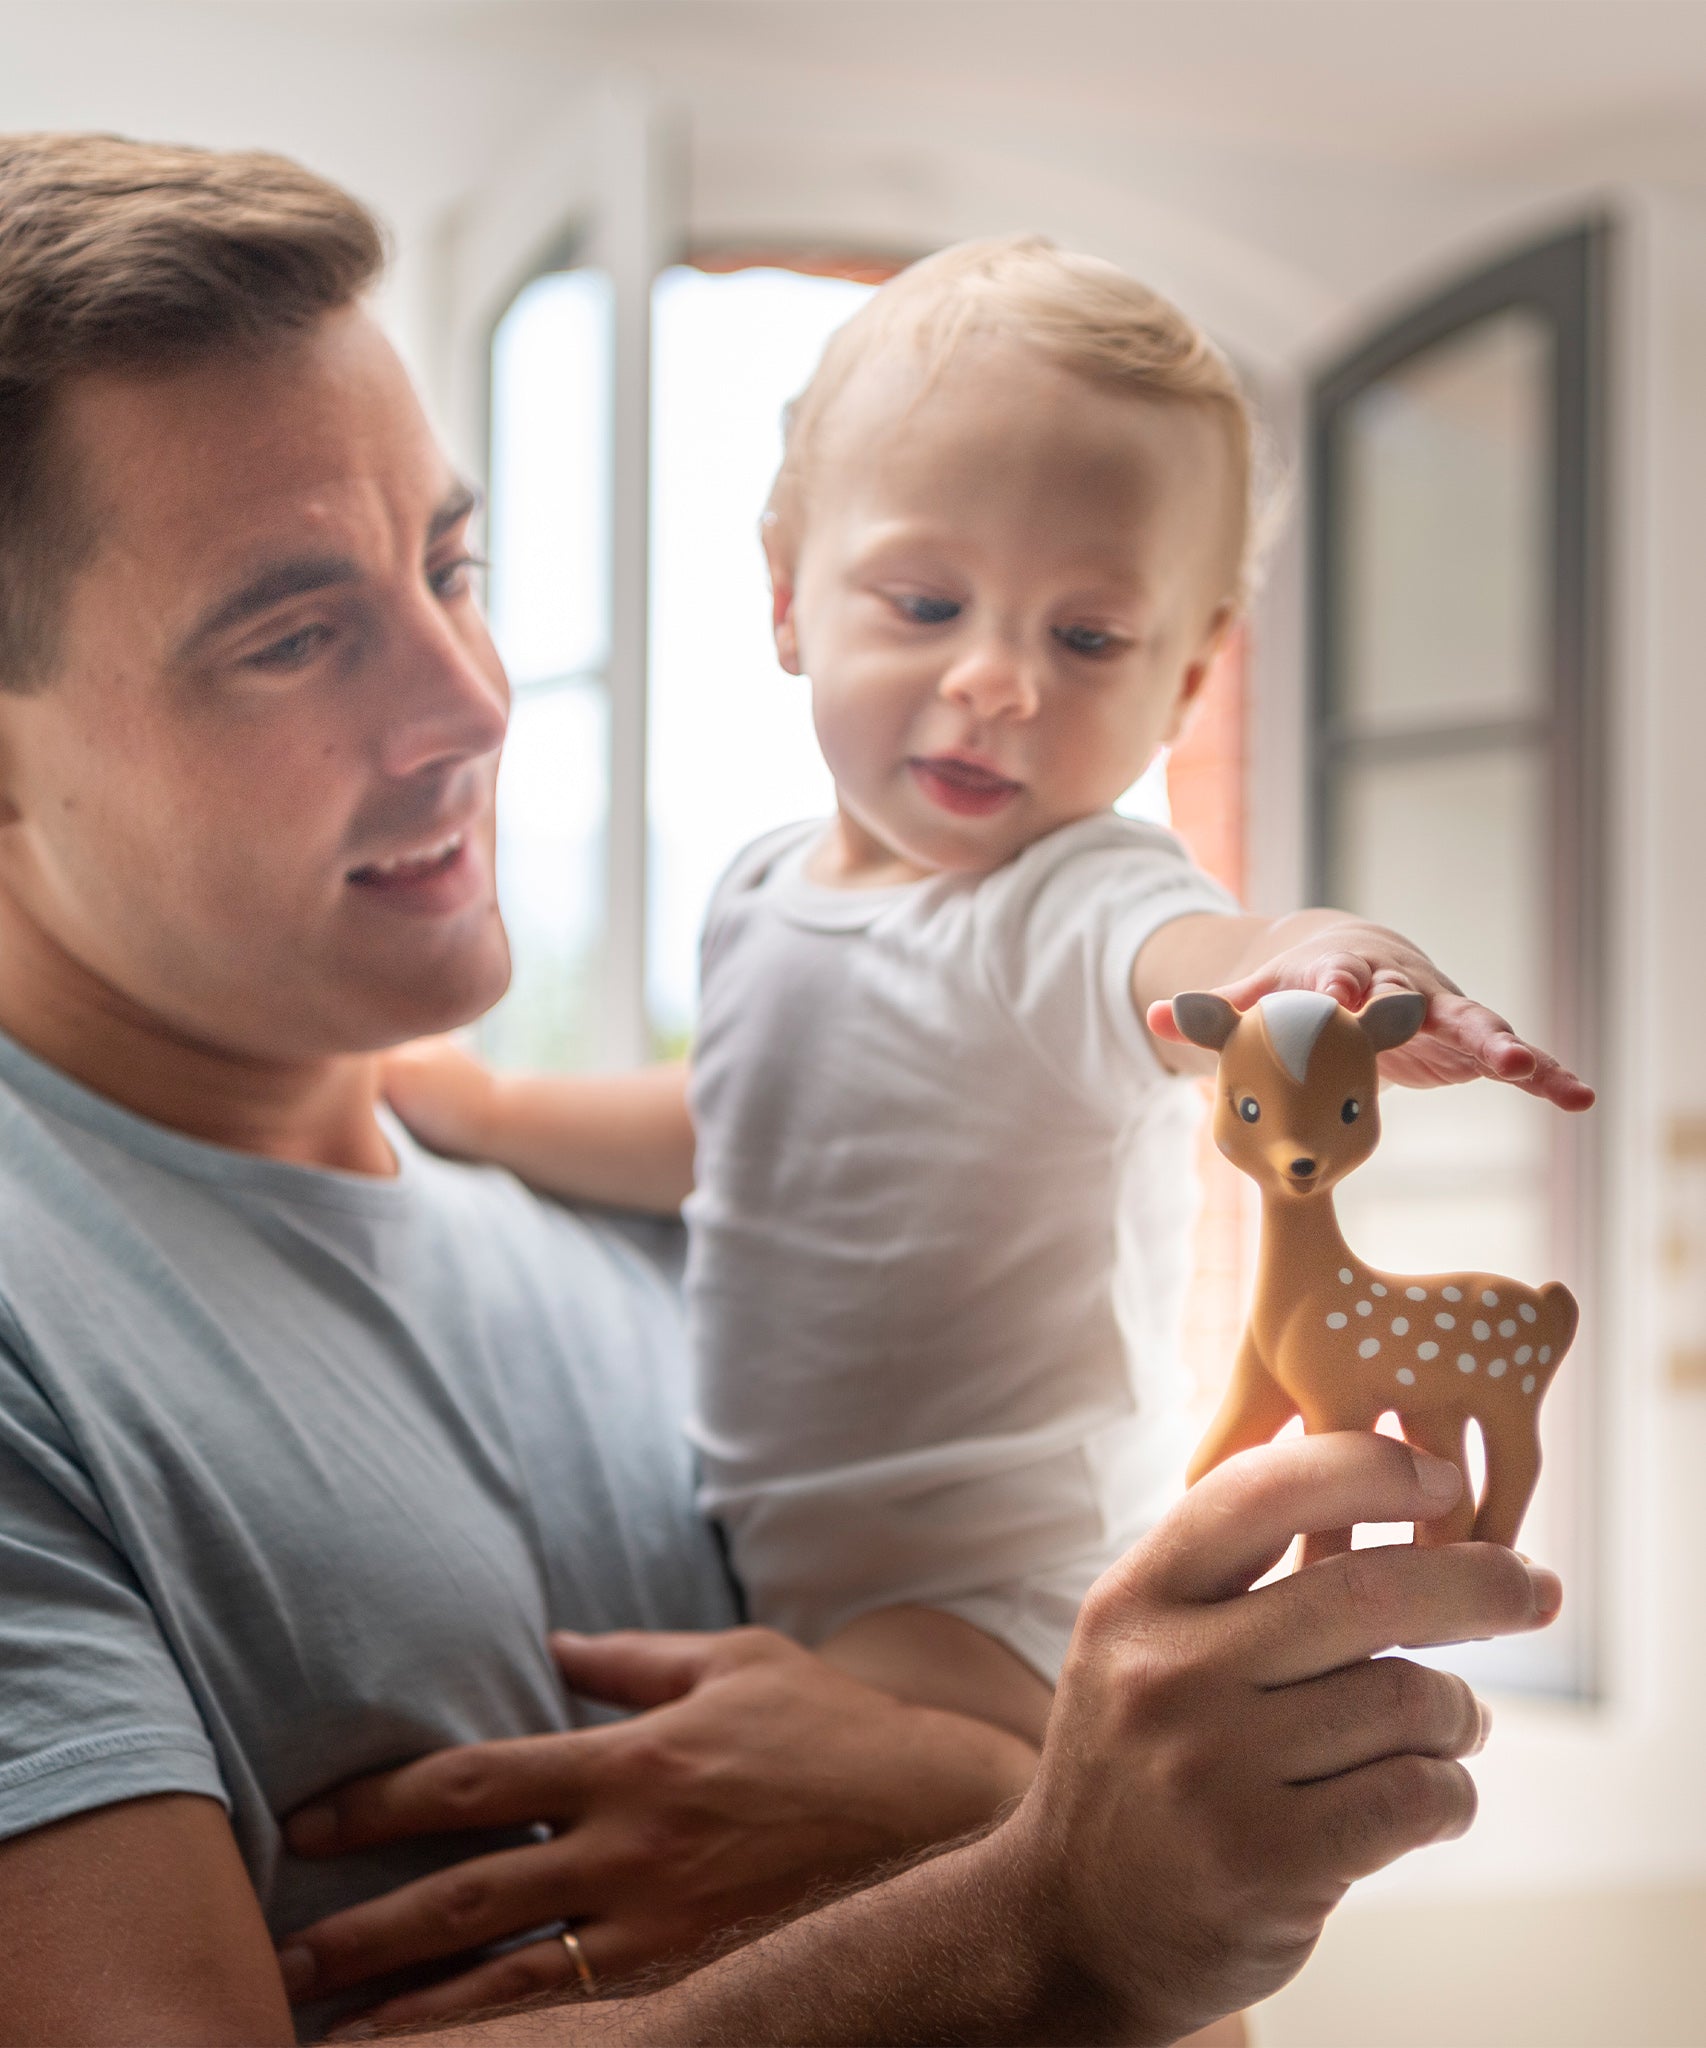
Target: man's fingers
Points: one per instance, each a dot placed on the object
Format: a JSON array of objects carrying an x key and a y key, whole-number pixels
[
  {"x": 1238, "y": 1520},
  {"x": 525, "y": 1972},
  {"x": 1394, "y": 1596},
  {"x": 1388, "y": 1706},
  {"x": 1354, "y": 1825},
  {"x": 631, "y": 1668},
  {"x": 480, "y": 1785},
  {"x": 464, "y": 1907}
]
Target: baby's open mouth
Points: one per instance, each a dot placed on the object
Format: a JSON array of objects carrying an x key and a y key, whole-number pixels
[{"x": 964, "y": 787}]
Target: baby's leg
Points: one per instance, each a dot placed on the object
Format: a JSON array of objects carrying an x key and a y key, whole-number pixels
[{"x": 938, "y": 1660}]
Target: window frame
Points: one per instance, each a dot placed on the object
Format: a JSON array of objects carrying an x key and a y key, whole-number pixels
[{"x": 1564, "y": 281}]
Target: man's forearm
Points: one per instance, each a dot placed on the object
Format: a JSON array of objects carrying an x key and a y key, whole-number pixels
[{"x": 948, "y": 1951}]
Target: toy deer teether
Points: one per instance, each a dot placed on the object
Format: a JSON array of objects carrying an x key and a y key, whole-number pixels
[{"x": 1329, "y": 1337}]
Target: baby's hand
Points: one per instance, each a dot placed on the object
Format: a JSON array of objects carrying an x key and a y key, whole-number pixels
[
  {"x": 1462, "y": 1040},
  {"x": 442, "y": 1092}
]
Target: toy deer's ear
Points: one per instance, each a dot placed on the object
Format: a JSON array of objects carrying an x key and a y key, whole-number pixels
[
  {"x": 1205, "y": 1020},
  {"x": 1393, "y": 1020}
]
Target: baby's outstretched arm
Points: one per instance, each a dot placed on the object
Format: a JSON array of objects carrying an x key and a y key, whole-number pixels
[
  {"x": 621, "y": 1139},
  {"x": 937, "y": 1660},
  {"x": 1246, "y": 958}
]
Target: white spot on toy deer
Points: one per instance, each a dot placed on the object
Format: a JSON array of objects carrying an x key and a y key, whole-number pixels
[{"x": 1297, "y": 1107}]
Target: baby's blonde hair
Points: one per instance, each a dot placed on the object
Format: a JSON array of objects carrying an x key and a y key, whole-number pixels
[{"x": 1082, "y": 313}]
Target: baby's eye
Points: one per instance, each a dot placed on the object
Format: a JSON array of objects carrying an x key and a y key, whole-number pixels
[
  {"x": 1250, "y": 1110},
  {"x": 1084, "y": 639},
  {"x": 929, "y": 611}
]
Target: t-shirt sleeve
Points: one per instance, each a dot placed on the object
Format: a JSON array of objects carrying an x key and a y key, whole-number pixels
[
  {"x": 1061, "y": 936},
  {"x": 93, "y": 1708}
]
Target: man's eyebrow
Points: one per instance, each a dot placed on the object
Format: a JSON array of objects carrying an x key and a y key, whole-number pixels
[
  {"x": 463, "y": 502},
  {"x": 294, "y": 578},
  {"x": 304, "y": 574}
]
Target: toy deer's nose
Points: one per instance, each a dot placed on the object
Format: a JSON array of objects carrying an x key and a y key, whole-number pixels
[{"x": 1303, "y": 1168}]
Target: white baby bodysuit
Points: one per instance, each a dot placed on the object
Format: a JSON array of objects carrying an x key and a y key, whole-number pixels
[{"x": 940, "y": 1233}]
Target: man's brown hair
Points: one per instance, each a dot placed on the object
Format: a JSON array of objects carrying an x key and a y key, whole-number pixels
[{"x": 119, "y": 255}]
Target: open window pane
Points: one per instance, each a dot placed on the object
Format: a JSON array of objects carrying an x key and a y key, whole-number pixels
[
  {"x": 553, "y": 815},
  {"x": 550, "y": 611},
  {"x": 1444, "y": 479},
  {"x": 732, "y": 751},
  {"x": 550, "y": 478}
]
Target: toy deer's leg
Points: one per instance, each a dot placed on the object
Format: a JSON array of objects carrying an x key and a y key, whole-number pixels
[
  {"x": 1255, "y": 1408},
  {"x": 1513, "y": 1471},
  {"x": 1320, "y": 1418},
  {"x": 1446, "y": 1437}
]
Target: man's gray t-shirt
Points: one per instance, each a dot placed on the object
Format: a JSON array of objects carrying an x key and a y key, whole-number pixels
[{"x": 297, "y": 1468}]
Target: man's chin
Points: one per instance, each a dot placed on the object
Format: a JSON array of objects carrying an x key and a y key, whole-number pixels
[{"x": 422, "y": 1003}]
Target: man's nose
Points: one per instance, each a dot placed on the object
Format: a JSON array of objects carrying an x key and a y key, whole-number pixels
[
  {"x": 447, "y": 699},
  {"x": 992, "y": 680}
]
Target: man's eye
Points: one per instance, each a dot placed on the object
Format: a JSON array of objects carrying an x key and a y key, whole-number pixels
[
  {"x": 929, "y": 611},
  {"x": 1084, "y": 639},
  {"x": 295, "y": 650},
  {"x": 453, "y": 579}
]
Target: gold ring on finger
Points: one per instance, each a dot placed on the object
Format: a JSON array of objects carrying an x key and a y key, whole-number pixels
[{"x": 583, "y": 1969}]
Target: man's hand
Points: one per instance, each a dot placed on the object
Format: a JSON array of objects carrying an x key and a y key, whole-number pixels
[
  {"x": 1221, "y": 1764},
  {"x": 752, "y": 1774},
  {"x": 1353, "y": 962}
]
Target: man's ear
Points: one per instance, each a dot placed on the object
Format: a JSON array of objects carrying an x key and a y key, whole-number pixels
[
  {"x": 9, "y": 812},
  {"x": 779, "y": 556},
  {"x": 1198, "y": 670}
]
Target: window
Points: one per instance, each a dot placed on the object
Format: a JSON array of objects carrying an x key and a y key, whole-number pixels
[
  {"x": 1456, "y": 578},
  {"x": 731, "y": 748},
  {"x": 550, "y": 616}
]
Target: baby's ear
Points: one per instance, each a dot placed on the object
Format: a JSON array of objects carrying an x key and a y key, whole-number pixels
[
  {"x": 1393, "y": 1020},
  {"x": 779, "y": 556},
  {"x": 1204, "y": 1019}
]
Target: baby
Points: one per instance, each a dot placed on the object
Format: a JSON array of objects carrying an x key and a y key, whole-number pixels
[{"x": 935, "y": 1154}]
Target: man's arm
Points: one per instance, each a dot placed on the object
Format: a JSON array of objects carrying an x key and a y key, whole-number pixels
[
  {"x": 621, "y": 1139},
  {"x": 1220, "y": 1767},
  {"x": 1246, "y": 958},
  {"x": 751, "y": 1775},
  {"x": 133, "y": 1925}
]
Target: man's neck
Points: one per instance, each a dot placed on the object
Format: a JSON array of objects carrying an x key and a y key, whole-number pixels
[{"x": 309, "y": 1113}]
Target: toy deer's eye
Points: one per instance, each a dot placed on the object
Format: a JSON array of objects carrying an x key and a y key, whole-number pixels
[
  {"x": 1250, "y": 1109},
  {"x": 1351, "y": 1111}
]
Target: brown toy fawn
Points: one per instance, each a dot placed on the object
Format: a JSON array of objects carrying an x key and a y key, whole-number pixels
[{"x": 1329, "y": 1337}]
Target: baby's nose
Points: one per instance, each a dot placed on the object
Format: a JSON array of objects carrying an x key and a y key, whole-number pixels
[{"x": 992, "y": 681}]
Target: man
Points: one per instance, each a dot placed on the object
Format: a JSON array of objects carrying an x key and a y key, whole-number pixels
[{"x": 308, "y": 1440}]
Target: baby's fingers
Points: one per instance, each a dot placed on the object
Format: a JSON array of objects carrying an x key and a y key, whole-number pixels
[
  {"x": 1457, "y": 1024},
  {"x": 1346, "y": 976}
]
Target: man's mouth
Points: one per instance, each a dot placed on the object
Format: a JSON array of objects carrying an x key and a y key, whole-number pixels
[
  {"x": 409, "y": 870},
  {"x": 967, "y": 788}
]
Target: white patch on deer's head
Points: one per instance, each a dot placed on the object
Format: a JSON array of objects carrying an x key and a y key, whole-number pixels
[{"x": 1295, "y": 1019}]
